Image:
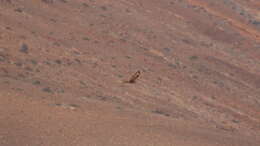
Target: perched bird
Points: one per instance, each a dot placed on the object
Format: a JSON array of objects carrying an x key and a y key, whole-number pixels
[{"x": 134, "y": 77}]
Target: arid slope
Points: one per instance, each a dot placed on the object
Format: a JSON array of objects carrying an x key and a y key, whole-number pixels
[{"x": 63, "y": 63}]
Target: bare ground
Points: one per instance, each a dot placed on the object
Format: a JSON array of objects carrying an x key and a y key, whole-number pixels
[{"x": 62, "y": 64}]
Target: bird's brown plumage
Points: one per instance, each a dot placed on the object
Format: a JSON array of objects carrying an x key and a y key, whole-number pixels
[{"x": 134, "y": 77}]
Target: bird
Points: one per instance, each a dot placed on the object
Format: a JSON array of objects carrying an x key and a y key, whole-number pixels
[{"x": 134, "y": 77}]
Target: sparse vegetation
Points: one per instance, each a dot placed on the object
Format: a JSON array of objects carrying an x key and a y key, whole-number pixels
[
  {"x": 193, "y": 57},
  {"x": 36, "y": 82},
  {"x": 48, "y": 1},
  {"x": 128, "y": 57},
  {"x": 34, "y": 62},
  {"x": 198, "y": 68},
  {"x": 157, "y": 111},
  {"x": 86, "y": 38}
]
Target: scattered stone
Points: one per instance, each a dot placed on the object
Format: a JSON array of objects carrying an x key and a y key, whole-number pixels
[
  {"x": 19, "y": 64},
  {"x": 172, "y": 65},
  {"x": 77, "y": 60},
  {"x": 225, "y": 128},
  {"x": 24, "y": 48},
  {"x": 84, "y": 98},
  {"x": 104, "y": 8},
  {"x": 58, "y": 104},
  {"x": 120, "y": 76},
  {"x": 36, "y": 82},
  {"x": 60, "y": 91},
  {"x": 83, "y": 83},
  {"x": 19, "y": 10},
  {"x": 101, "y": 97},
  {"x": 70, "y": 106},
  {"x": 47, "y": 89},
  {"x": 119, "y": 108},
  {"x": 56, "y": 44},
  {"x": 193, "y": 57},
  {"x": 85, "y": 5},
  {"x": 66, "y": 106},
  {"x": 167, "y": 49},
  {"x": 2, "y": 58},
  {"x": 58, "y": 61},
  {"x": 128, "y": 57},
  {"x": 47, "y": 62},
  {"x": 53, "y": 20},
  {"x": 194, "y": 76},
  {"x": 114, "y": 66},
  {"x": 219, "y": 83},
  {"x": 48, "y": 1},
  {"x": 19, "y": 89},
  {"x": 213, "y": 97},
  {"x": 73, "y": 105},
  {"x": 194, "y": 98},
  {"x": 34, "y": 62},
  {"x": 256, "y": 22},
  {"x": 236, "y": 121},
  {"x": 8, "y": 28}
]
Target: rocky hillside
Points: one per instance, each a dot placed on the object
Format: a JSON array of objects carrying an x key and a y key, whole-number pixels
[{"x": 63, "y": 63}]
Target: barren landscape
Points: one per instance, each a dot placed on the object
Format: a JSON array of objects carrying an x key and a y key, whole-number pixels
[{"x": 63, "y": 64}]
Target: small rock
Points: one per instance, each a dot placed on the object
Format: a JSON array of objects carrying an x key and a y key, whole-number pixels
[
  {"x": 8, "y": 28},
  {"x": 74, "y": 105},
  {"x": 235, "y": 121},
  {"x": 19, "y": 64},
  {"x": 47, "y": 89},
  {"x": 24, "y": 48},
  {"x": 255, "y": 22},
  {"x": 19, "y": 10},
  {"x": 103, "y": 8},
  {"x": 2, "y": 59},
  {"x": 78, "y": 61},
  {"x": 85, "y": 5},
  {"x": 58, "y": 61},
  {"x": 167, "y": 49},
  {"x": 83, "y": 83},
  {"x": 66, "y": 106},
  {"x": 48, "y": 1}
]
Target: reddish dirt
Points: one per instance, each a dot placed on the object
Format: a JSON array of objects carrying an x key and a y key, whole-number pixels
[{"x": 63, "y": 64}]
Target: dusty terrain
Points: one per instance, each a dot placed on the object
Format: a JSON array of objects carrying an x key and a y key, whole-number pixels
[{"x": 63, "y": 63}]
